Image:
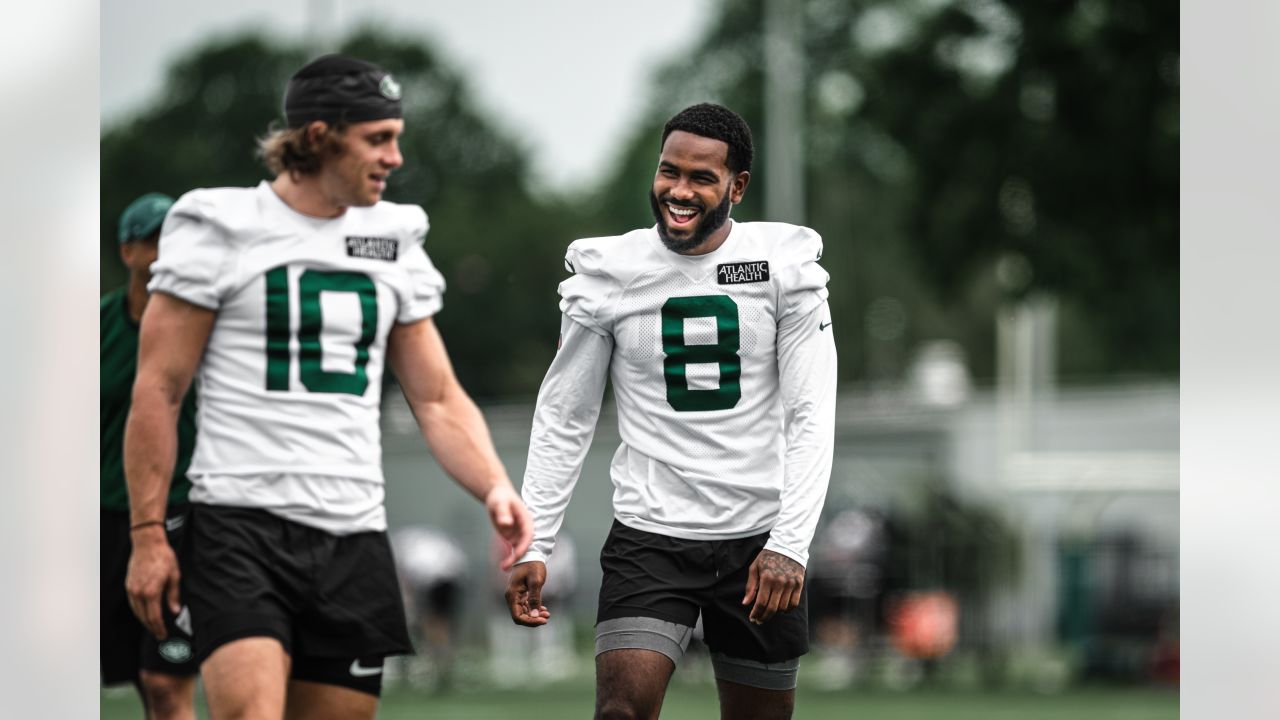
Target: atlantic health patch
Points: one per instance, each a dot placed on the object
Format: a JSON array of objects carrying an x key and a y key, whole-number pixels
[
  {"x": 373, "y": 248},
  {"x": 742, "y": 272}
]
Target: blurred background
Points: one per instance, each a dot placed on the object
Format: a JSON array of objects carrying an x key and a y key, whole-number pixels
[{"x": 997, "y": 187}]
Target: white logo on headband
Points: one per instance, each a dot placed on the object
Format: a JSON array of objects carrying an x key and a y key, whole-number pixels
[{"x": 389, "y": 88}]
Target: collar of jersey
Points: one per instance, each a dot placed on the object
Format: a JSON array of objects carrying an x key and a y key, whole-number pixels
[
  {"x": 695, "y": 267},
  {"x": 303, "y": 221}
]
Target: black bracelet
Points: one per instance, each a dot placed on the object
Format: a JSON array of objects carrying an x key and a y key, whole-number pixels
[{"x": 144, "y": 524}]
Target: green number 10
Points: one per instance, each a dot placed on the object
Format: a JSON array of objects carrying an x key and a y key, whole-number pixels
[
  {"x": 310, "y": 321},
  {"x": 724, "y": 352}
]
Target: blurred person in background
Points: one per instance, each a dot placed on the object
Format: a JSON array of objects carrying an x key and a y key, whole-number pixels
[
  {"x": 717, "y": 337},
  {"x": 288, "y": 299},
  {"x": 432, "y": 570},
  {"x": 164, "y": 672}
]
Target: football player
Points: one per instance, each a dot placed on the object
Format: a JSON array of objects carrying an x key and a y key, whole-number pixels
[
  {"x": 718, "y": 339},
  {"x": 286, "y": 300},
  {"x": 163, "y": 672}
]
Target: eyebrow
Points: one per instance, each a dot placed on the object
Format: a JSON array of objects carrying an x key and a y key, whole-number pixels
[{"x": 699, "y": 173}]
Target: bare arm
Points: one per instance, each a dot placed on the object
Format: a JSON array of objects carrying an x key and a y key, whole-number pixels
[
  {"x": 170, "y": 344},
  {"x": 455, "y": 430}
]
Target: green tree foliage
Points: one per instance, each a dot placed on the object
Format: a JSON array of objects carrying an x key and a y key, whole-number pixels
[
  {"x": 499, "y": 248},
  {"x": 961, "y": 154}
]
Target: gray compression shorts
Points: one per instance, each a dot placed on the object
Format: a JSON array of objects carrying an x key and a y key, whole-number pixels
[{"x": 672, "y": 639}]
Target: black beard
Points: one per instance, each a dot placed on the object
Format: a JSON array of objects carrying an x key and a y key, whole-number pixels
[{"x": 710, "y": 223}]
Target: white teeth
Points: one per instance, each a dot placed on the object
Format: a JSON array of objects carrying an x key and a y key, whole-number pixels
[{"x": 682, "y": 212}]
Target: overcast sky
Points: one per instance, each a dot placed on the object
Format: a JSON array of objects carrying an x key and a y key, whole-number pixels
[{"x": 565, "y": 75}]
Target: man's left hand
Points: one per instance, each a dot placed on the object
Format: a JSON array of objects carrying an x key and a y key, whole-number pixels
[{"x": 774, "y": 584}]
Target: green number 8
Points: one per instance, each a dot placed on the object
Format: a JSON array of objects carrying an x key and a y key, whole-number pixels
[{"x": 724, "y": 352}]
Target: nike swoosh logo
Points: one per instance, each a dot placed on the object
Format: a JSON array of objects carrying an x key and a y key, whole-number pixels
[
  {"x": 174, "y": 522},
  {"x": 822, "y": 327},
  {"x": 359, "y": 671}
]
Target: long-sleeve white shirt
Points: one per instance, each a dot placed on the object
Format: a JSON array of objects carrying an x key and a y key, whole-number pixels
[{"x": 724, "y": 373}]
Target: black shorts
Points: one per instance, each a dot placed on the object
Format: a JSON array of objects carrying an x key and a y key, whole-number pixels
[
  {"x": 655, "y": 576},
  {"x": 124, "y": 645},
  {"x": 333, "y": 601}
]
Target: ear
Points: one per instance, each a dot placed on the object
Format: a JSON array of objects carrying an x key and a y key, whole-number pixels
[
  {"x": 316, "y": 131},
  {"x": 738, "y": 187},
  {"x": 126, "y": 253}
]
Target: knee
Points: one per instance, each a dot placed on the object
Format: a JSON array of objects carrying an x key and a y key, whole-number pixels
[
  {"x": 621, "y": 709},
  {"x": 168, "y": 695}
]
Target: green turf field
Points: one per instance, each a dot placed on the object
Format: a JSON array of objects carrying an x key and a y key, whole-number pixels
[{"x": 575, "y": 700}]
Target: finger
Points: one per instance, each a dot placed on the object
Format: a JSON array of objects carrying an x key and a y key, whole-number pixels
[
  {"x": 175, "y": 606},
  {"x": 153, "y": 618},
  {"x": 753, "y": 585},
  {"x": 771, "y": 608},
  {"x": 795, "y": 598},
  {"x": 522, "y": 538},
  {"x": 502, "y": 516},
  {"x": 757, "y": 615},
  {"x": 508, "y": 560}
]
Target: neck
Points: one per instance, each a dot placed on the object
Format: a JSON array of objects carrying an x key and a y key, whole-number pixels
[
  {"x": 136, "y": 296},
  {"x": 304, "y": 194},
  {"x": 713, "y": 241}
]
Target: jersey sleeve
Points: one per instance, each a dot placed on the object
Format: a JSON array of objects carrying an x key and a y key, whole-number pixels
[
  {"x": 807, "y": 379},
  {"x": 423, "y": 293},
  {"x": 802, "y": 283},
  {"x": 564, "y": 421},
  {"x": 586, "y": 296},
  {"x": 196, "y": 256}
]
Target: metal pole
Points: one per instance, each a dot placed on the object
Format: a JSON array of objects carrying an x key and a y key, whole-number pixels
[{"x": 784, "y": 111}]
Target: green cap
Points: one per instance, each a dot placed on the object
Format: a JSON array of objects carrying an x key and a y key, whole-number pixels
[{"x": 143, "y": 216}]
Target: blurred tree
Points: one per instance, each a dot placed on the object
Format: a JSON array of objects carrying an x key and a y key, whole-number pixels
[
  {"x": 499, "y": 248},
  {"x": 961, "y": 154}
]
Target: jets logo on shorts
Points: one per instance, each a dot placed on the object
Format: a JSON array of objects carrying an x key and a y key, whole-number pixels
[{"x": 175, "y": 651}]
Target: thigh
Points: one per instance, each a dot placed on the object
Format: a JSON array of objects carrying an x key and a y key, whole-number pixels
[
  {"x": 246, "y": 678},
  {"x": 313, "y": 701},
  {"x": 744, "y": 702},
  {"x": 631, "y": 683}
]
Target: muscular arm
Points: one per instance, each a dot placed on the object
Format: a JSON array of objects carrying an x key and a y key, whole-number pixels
[
  {"x": 170, "y": 344},
  {"x": 455, "y": 430}
]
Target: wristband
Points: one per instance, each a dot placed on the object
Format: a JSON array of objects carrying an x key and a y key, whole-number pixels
[{"x": 144, "y": 524}]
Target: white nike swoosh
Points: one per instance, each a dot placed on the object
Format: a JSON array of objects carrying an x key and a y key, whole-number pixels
[
  {"x": 359, "y": 671},
  {"x": 174, "y": 522}
]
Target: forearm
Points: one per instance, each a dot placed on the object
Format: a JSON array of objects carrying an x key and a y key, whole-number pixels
[
  {"x": 459, "y": 439},
  {"x": 807, "y": 371},
  {"x": 150, "y": 451}
]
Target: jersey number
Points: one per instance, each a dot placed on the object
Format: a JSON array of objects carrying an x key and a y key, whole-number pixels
[
  {"x": 723, "y": 353},
  {"x": 310, "y": 320}
]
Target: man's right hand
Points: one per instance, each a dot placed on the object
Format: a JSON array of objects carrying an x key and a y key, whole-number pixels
[
  {"x": 152, "y": 578},
  {"x": 524, "y": 594}
]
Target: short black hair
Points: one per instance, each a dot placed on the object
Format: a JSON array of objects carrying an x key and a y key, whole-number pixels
[{"x": 718, "y": 123}]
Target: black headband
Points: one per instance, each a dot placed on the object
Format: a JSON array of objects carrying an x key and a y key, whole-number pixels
[{"x": 341, "y": 89}]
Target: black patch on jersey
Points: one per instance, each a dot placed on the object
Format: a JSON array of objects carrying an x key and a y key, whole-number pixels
[
  {"x": 742, "y": 272},
  {"x": 373, "y": 248}
]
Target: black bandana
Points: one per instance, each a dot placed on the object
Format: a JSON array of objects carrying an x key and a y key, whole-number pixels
[{"x": 341, "y": 89}]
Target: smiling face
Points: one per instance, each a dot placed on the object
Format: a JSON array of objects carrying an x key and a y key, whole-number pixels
[
  {"x": 693, "y": 191},
  {"x": 358, "y": 175}
]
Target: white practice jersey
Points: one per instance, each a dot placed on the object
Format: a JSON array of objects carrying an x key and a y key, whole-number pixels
[
  {"x": 291, "y": 381},
  {"x": 723, "y": 370}
]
